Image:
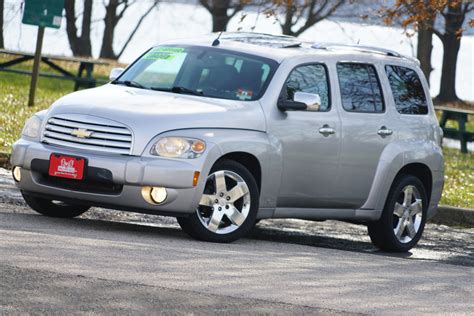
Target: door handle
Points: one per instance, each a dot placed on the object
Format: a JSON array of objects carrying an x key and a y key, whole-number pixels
[
  {"x": 384, "y": 131},
  {"x": 326, "y": 130}
]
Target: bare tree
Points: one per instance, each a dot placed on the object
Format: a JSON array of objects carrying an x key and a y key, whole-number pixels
[
  {"x": 115, "y": 11},
  {"x": 2, "y": 44},
  {"x": 219, "y": 10},
  {"x": 309, "y": 11},
  {"x": 80, "y": 45},
  {"x": 454, "y": 17}
]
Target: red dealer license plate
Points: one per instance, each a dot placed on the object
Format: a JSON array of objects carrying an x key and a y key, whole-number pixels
[{"x": 66, "y": 167}]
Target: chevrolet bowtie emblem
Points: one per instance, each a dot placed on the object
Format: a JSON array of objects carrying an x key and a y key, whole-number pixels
[{"x": 82, "y": 133}]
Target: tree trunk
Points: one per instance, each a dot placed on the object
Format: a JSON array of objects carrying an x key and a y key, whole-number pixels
[
  {"x": 110, "y": 20},
  {"x": 286, "y": 26},
  {"x": 2, "y": 44},
  {"x": 219, "y": 19},
  {"x": 80, "y": 45},
  {"x": 447, "y": 90},
  {"x": 425, "y": 47},
  {"x": 86, "y": 46},
  {"x": 454, "y": 19},
  {"x": 218, "y": 10}
]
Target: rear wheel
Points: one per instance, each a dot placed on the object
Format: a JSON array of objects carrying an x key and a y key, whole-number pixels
[
  {"x": 403, "y": 218},
  {"x": 228, "y": 207},
  {"x": 54, "y": 208}
]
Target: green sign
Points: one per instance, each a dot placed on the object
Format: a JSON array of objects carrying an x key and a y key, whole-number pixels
[
  {"x": 46, "y": 13},
  {"x": 167, "y": 53}
]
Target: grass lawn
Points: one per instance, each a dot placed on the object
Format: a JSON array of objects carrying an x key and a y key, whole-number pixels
[{"x": 458, "y": 190}]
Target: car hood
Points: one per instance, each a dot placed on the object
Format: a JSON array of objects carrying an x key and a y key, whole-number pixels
[{"x": 148, "y": 113}]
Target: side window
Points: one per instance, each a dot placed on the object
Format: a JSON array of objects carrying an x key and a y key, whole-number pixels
[
  {"x": 360, "y": 88},
  {"x": 407, "y": 90},
  {"x": 310, "y": 79}
]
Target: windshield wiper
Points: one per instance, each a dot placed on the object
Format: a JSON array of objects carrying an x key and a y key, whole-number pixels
[
  {"x": 130, "y": 83},
  {"x": 180, "y": 90},
  {"x": 184, "y": 90}
]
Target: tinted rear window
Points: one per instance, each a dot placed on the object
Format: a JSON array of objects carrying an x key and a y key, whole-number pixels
[
  {"x": 407, "y": 90},
  {"x": 360, "y": 88}
]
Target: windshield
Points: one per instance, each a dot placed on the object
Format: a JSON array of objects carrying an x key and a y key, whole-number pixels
[{"x": 203, "y": 71}]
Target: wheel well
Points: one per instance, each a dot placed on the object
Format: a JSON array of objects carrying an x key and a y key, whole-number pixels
[
  {"x": 422, "y": 172},
  {"x": 249, "y": 161}
]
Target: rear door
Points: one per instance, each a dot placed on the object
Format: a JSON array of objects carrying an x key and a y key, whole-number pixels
[{"x": 367, "y": 127}]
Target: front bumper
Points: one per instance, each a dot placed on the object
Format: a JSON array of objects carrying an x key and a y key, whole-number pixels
[{"x": 126, "y": 174}]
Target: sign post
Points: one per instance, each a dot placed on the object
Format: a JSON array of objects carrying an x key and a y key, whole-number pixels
[
  {"x": 43, "y": 13},
  {"x": 36, "y": 63}
]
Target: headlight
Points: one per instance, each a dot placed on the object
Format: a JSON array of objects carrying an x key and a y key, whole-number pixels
[
  {"x": 32, "y": 127},
  {"x": 178, "y": 147}
]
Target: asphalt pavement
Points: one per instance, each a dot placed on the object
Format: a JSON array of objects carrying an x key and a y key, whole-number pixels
[{"x": 113, "y": 262}]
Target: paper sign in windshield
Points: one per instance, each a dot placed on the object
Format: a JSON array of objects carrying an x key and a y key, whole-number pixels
[
  {"x": 244, "y": 94},
  {"x": 164, "y": 53}
]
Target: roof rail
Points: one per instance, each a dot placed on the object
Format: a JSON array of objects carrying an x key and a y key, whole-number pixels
[
  {"x": 263, "y": 39},
  {"x": 362, "y": 49}
]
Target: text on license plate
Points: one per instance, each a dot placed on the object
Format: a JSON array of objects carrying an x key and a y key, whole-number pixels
[{"x": 66, "y": 166}]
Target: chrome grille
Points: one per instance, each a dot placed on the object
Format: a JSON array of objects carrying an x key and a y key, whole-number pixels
[{"x": 86, "y": 132}]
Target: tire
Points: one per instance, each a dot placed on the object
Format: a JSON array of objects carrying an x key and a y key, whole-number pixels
[
  {"x": 233, "y": 208},
  {"x": 52, "y": 208},
  {"x": 403, "y": 218}
]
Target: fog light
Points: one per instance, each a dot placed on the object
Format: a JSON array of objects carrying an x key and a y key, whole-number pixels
[
  {"x": 154, "y": 195},
  {"x": 17, "y": 173}
]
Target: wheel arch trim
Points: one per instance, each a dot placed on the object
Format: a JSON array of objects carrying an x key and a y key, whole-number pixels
[
  {"x": 405, "y": 157},
  {"x": 244, "y": 146}
]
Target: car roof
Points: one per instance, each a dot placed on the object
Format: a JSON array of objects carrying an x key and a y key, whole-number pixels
[{"x": 279, "y": 47}]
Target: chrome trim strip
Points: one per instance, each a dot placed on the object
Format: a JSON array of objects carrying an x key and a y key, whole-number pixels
[{"x": 106, "y": 136}]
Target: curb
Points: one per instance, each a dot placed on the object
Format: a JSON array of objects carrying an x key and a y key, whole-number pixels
[{"x": 454, "y": 216}]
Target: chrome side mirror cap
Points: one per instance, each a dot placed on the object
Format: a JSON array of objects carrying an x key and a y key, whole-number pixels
[
  {"x": 312, "y": 100},
  {"x": 115, "y": 73}
]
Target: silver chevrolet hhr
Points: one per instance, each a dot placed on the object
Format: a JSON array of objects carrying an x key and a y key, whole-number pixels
[{"x": 223, "y": 132}]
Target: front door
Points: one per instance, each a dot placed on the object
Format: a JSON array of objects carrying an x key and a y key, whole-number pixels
[{"x": 310, "y": 141}]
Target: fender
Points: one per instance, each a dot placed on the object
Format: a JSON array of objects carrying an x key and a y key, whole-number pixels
[
  {"x": 395, "y": 156},
  {"x": 221, "y": 142}
]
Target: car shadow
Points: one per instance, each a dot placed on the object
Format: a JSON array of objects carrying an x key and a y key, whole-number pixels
[
  {"x": 426, "y": 251},
  {"x": 149, "y": 232},
  {"x": 292, "y": 237},
  {"x": 94, "y": 228}
]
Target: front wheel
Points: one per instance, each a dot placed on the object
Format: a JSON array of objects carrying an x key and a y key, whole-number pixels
[
  {"x": 403, "y": 218},
  {"x": 228, "y": 207},
  {"x": 54, "y": 208}
]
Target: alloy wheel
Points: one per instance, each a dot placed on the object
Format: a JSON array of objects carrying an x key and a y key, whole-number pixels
[
  {"x": 407, "y": 214},
  {"x": 225, "y": 204}
]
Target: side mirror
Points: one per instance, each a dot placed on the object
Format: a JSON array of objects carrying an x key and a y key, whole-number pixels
[
  {"x": 288, "y": 105},
  {"x": 115, "y": 73},
  {"x": 311, "y": 100},
  {"x": 301, "y": 101}
]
